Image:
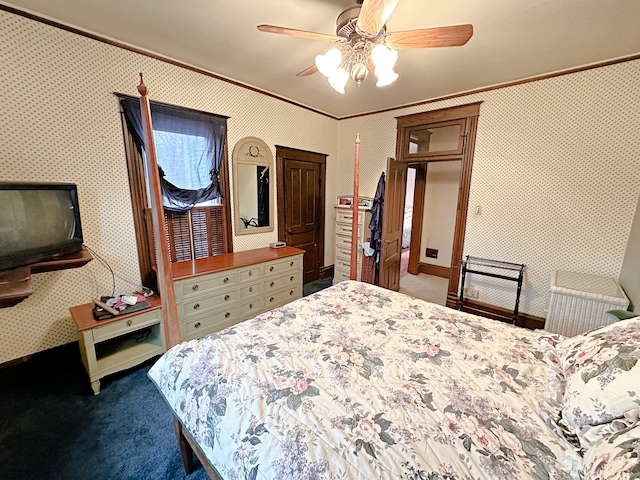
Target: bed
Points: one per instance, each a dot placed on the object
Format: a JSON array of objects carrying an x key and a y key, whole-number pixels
[{"x": 358, "y": 382}]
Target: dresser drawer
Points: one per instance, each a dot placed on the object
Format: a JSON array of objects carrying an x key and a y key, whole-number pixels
[
  {"x": 280, "y": 298},
  {"x": 205, "y": 284},
  {"x": 282, "y": 266},
  {"x": 274, "y": 284},
  {"x": 197, "y": 306},
  {"x": 345, "y": 264},
  {"x": 251, "y": 290},
  {"x": 206, "y": 324},
  {"x": 343, "y": 229},
  {"x": 347, "y": 217},
  {"x": 251, "y": 308},
  {"x": 343, "y": 242},
  {"x": 341, "y": 274},
  {"x": 249, "y": 274},
  {"x": 131, "y": 324}
]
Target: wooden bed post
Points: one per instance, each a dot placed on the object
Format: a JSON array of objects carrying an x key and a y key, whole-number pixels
[
  {"x": 353, "y": 274},
  {"x": 165, "y": 278}
]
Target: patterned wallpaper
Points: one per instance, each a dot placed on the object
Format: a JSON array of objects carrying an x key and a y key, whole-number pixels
[
  {"x": 60, "y": 122},
  {"x": 556, "y": 164},
  {"x": 556, "y": 171}
]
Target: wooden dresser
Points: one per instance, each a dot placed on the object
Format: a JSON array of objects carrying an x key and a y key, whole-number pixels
[
  {"x": 342, "y": 262},
  {"x": 217, "y": 292}
]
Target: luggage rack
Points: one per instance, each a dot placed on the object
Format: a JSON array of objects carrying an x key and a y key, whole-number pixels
[{"x": 514, "y": 272}]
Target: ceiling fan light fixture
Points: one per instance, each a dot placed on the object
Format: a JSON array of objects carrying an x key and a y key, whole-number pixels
[
  {"x": 386, "y": 76},
  {"x": 359, "y": 73},
  {"x": 383, "y": 57},
  {"x": 329, "y": 62},
  {"x": 338, "y": 79}
]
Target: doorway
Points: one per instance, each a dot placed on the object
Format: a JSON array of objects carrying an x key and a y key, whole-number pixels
[
  {"x": 427, "y": 251},
  {"x": 423, "y": 139},
  {"x": 301, "y": 200}
]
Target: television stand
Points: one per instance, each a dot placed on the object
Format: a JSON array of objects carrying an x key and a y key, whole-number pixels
[{"x": 15, "y": 284}]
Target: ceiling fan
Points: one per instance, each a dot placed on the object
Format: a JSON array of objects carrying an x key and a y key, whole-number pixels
[{"x": 364, "y": 45}]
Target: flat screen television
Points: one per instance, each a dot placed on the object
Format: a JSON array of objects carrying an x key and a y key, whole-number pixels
[{"x": 38, "y": 222}]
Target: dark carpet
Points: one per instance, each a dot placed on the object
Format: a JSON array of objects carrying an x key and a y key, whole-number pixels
[{"x": 53, "y": 427}]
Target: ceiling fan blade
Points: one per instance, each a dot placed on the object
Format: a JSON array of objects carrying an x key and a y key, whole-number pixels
[
  {"x": 307, "y": 71},
  {"x": 373, "y": 15},
  {"x": 299, "y": 33},
  {"x": 453, "y": 36}
]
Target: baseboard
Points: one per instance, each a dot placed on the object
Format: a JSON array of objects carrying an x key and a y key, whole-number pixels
[
  {"x": 497, "y": 313},
  {"x": 326, "y": 272},
  {"x": 436, "y": 270}
]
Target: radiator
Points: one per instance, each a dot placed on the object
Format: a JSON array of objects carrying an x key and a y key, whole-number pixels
[{"x": 579, "y": 302}]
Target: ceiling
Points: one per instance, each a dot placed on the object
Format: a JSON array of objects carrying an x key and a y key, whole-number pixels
[{"x": 512, "y": 40}]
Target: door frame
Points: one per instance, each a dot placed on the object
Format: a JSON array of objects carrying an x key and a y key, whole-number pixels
[
  {"x": 283, "y": 153},
  {"x": 470, "y": 112}
]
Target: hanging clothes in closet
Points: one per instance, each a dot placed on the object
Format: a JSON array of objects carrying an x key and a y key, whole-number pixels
[{"x": 375, "y": 225}]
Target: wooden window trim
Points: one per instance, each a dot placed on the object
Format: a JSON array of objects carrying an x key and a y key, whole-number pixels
[{"x": 141, "y": 212}]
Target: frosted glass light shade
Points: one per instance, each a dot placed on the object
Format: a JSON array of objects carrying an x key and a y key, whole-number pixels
[
  {"x": 329, "y": 62},
  {"x": 383, "y": 57},
  {"x": 338, "y": 79},
  {"x": 386, "y": 76}
]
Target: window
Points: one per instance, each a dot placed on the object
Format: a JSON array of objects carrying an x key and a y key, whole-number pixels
[{"x": 192, "y": 159}]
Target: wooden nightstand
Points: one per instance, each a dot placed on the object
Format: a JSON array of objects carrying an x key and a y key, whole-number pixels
[{"x": 112, "y": 345}]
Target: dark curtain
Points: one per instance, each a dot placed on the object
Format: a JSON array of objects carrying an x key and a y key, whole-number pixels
[
  {"x": 263, "y": 195},
  {"x": 189, "y": 148},
  {"x": 377, "y": 210}
]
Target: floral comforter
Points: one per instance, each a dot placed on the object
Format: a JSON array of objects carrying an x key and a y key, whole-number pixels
[{"x": 358, "y": 382}]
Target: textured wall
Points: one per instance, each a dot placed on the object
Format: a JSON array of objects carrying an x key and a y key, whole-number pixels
[
  {"x": 556, "y": 171},
  {"x": 60, "y": 122},
  {"x": 630, "y": 273}
]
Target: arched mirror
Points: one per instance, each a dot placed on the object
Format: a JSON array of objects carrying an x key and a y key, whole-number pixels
[{"x": 252, "y": 186}]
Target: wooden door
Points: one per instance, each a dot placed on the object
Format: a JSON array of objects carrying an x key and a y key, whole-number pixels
[
  {"x": 301, "y": 206},
  {"x": 392, "y": 220}
]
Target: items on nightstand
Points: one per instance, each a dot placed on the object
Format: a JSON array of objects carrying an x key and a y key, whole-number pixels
[{"x": 107, "y": 307}]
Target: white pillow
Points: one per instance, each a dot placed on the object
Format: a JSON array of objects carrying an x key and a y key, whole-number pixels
[
  {"x": 615, "y": 457},
  {"x": 601, "y": 374}
]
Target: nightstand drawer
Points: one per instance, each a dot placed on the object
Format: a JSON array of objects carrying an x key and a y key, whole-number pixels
[
  {"x": 205, "y": 284},
  {"x": 343, "y": 229},
  {"x": 205, "y": 304},
  {"x": 214, "y": 322},
  {"x": 131, "y": 324},
  {"x": 281, "y": 267}
]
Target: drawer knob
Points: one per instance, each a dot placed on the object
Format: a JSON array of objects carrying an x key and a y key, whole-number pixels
[
  {"x": 195, "y": 288},
  {"x": 291, "y": 278},
  {"x": 251, "y": 305},
  {"x": 196, "y": 306},
  {"x": 291, "y": 292},
  {"x": 291, "y": 264},
  {"x": 271, "y": 269},
  {"x": 197, "y": 325},
  {"x": 250, "y": 272},
  {"x": 271, "y": 299},
  {"x": 226, "y": 297},
  {"x": 129, "y": 323},
  {"x": 250, "y": 289},
  {"x": 271, "y": 284},
  {"x": 226, "y": 280},
  {"x": 227, "y": 315}
]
